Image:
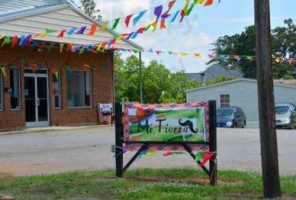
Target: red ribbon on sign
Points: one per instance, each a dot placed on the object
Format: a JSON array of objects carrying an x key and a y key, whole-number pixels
[{"x": 206, "y": 157}]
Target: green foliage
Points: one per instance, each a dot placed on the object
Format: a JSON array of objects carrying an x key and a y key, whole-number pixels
[
  {"x": 159, "y": 84},
  {"x": 283, "y": 45}
]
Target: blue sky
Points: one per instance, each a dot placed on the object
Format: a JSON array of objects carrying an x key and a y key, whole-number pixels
[{"x": 197, "y": 32}]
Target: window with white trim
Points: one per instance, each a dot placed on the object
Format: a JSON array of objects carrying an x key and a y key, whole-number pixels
[
  {"x": 224, "y": 100},
  {"x": 57, "y": 90},
  {"x": 79, "y": 89},
  {"x": 15, "y": 89}
]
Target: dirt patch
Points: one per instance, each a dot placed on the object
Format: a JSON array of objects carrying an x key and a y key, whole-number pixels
[
  {"x": 3, "y": 197},
  {"x": 38, "y": 188},
  {"x": 5, "y": 176}
]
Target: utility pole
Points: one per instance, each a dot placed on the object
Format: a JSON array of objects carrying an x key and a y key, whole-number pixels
[
  {"x": 268, "y": 137},
  {"x": 140, "y": 78}
]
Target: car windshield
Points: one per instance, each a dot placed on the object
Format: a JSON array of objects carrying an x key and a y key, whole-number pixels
[
  {"x": 281, "y": 110},
  {"x": 225, "y": 113}
]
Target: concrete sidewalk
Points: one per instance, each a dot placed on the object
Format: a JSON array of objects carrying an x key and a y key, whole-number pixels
[{"x": 52, "y": 128}]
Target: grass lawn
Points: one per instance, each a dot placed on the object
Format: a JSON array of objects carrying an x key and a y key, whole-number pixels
[{"x": 171, "y": 184}]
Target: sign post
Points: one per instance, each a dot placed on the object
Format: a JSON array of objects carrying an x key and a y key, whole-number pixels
[{"x": 170, "y": 127}]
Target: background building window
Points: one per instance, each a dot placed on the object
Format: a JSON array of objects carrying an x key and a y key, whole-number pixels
[
  {"x": 57, "y": 90},
  {"x": 79, "y": 89},
  {"x": 1, "y": 92},
  {"x": 15, "y": 93},
  {"x": 224, "y": 100}
]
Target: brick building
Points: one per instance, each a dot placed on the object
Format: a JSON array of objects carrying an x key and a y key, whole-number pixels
[{"x": 43, "y": 84}]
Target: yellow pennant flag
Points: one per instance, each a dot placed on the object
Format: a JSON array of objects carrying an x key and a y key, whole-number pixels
[
  {"x": 61, "y": 47},
  {"x": 104, "y": 26},
  {"x": 57, "y": 73},
  {"x": 183, "y": 54},
  {"x": 200, "y": 1},
  {"x": 186, "y": 6},
  {"x": 154, "y": 25},
  {"x": 3, "y": 71}
]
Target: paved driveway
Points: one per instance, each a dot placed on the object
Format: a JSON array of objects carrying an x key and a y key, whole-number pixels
[{"x": 90, "y": 149}]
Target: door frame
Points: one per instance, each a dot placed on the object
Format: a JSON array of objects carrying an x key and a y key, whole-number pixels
[{"x": 37, "y": 123}]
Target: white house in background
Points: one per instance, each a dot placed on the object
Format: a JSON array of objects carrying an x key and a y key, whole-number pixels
[{"x": 241, "y": 93}]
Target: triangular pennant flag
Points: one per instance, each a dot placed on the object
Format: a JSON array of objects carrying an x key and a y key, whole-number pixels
[
  {"x": 158, "y": 52},
  {"x": 69, "y": 48},
  {"x": 137, "y": 19},
  {"x": 62, "y": 33},
  {"x": 141, "y": 30},
  {"x": 162, "y": 24},
  {"x": 61, "y": 47},
  {"x": 175, "y": 16},
  {"x": 22, "y": 40},
  {"x": 170, "y": 5},
  {"x": 57, "y": 73},
  {"x": 50, "y": 47},
  {"x": 209, "y": 2},
  {"x": 182, "y": 15},
  {"x": 206, "y": 157},
  {"x": 190, "y": 9},
  {"x": 81, "y": 30},
  {"x": 157, "y": 12},
  {"x": 200, "y": 1},
  {"x": 12, "y": 66},
  {"x": 127, "y": 20},
  {"x": 93, "y": 29},
  {"x": 115, "y": 24},
  {"x": 14, "y": 40},
  {"x": 198, "y": 55},
  {"x": 183, "y": 54},
  {"x": 186, "y": 6},
  {"x": 48, "y": 30},
  {"x": 3, "y": 71},
  {"x": 71, "y": 31},
  {"x": 154, "y": 25},
  {"x": 104, "y": 26},
  {"x": 6, "y": 40}
]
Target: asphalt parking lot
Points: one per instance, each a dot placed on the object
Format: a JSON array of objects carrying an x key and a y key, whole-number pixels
[{"x": 90, "y": 149}]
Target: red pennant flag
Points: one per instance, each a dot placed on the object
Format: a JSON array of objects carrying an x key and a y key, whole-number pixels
[
  {"x": 182, "y": 15},
  {"x": 209, "y": 2},
  {"x": 69, "y": 47},
  {"x": 141, "y": 30},
  {"x": 206, "y": 158},
  {"x": 93, "y": 29},
  {"x": 158, "y": 52},
  {"x": 127, "y": 20},
  {"x": 62, "y": 33},
  {"x": 14, "y": 40}
]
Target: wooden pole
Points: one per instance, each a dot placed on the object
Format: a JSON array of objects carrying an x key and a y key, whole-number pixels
[
  {"x": 268, "y": 137},
  {"x": 119, "y": 139},
  {"x": 140, "y": 78},
  {"x": 213, "y": 143}
]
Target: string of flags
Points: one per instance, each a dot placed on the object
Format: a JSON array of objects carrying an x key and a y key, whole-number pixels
[
  {"x": 33, "y": 41},
  {"x": 277, "y": 58},
  {"x": 21, "y": 62}
]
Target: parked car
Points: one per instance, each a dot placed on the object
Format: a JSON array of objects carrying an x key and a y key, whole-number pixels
[
  {"x": 231, "y": 117},
  {"x": 285, "y": 115}
]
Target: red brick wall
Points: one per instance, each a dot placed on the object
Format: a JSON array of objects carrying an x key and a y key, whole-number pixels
[{"x": 102, "y": 85}]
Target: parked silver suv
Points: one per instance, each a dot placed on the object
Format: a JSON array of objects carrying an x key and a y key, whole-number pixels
[{"x": 285, "y": 114}]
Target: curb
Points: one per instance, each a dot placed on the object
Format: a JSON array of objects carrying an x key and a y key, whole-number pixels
[{"x": 52, "y": 129}]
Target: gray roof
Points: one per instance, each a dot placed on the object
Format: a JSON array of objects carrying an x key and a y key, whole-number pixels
[
  {"x": 213, "y": 72},
  {"x": 236, "y": 81}
]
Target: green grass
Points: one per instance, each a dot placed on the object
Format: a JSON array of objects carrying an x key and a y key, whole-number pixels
[{"x": 161, "y": 184}]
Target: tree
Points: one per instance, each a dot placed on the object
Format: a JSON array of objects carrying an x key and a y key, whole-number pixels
[
  {"x": 283, "y": 46},
  {"x": 238, "y": 44},
  {"x": 89, "y": 7},
  {"x": 159, "y": 84}
]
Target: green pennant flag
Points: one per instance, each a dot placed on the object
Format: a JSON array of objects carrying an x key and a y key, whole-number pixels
[
  {"x": 82, "y": 50},
  {"x": 135, "y": 51},
  {"x": 12, "y": 66},
  {"x": 48, "y": 30},
  {"x": 115, "y": 24},
  {"x": 198, "y": 157},
  {"x": 50, "y": 47},
  {"x": 6, "y": 40},
  {"x": 190, "y": 9}
]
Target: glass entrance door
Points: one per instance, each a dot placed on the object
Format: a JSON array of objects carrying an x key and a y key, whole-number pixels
[{"x": 36, "y": 97}]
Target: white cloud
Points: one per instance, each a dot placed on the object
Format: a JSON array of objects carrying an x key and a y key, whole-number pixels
[{"x": 121, "y": 8}]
